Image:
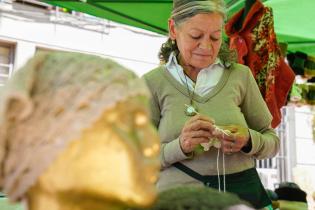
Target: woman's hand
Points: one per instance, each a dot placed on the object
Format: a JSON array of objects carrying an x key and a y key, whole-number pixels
[
  {"x": 196, "y": 130},
  {"x": 238, "y": 138}
]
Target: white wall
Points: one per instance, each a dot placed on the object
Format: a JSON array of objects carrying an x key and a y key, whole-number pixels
[
  {"x": 37, "y": 28},
  {"x": 23, "y": 51},
  {"x": 302, "y": 147}
]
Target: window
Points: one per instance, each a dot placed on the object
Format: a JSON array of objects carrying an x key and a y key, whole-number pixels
[{"x": 6, "y": 62}]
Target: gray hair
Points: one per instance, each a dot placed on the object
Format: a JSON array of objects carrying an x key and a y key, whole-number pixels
[{"x": 185, "y": 9}]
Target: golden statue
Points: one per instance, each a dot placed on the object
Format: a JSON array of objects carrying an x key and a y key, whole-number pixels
[{"x": 75, "y": 135}]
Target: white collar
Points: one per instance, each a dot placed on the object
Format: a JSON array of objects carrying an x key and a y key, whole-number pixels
[
  {"x": 172, "y": 60},
  {"x": 207, "y": 78}
]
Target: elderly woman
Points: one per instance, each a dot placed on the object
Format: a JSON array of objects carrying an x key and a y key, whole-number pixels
[{"x": 201, "y": 97}]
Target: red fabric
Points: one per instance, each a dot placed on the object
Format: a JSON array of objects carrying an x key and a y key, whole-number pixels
[{"x": 257, "y": 48}]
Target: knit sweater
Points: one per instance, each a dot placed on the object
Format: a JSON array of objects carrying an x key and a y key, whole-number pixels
[{"x": 234, "y": 100}]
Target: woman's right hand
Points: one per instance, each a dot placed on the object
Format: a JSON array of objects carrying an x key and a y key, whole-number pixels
[{"x": 196, "y": 130}]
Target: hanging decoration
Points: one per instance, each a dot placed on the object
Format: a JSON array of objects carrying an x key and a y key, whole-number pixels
[{"x": 257, "y": 48}]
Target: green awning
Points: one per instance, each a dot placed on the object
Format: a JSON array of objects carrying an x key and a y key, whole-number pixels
[
  {"x": 293, "y": 19},
  {"x": 146, "y": 14},
  {"x": 294, "y": 23}
]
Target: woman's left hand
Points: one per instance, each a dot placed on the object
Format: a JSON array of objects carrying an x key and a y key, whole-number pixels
[{"x": 234, "y": 142}]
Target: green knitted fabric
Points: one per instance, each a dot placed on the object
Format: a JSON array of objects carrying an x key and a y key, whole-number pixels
[
  {"x": 5, "y": 205},
  {"x": 194, "y": 198}
]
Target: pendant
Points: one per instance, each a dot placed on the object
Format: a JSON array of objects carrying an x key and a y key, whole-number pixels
[{"x": 190, "y": 110}]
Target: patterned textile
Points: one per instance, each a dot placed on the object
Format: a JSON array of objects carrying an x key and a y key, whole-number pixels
[{"x": 257, "y": 48}]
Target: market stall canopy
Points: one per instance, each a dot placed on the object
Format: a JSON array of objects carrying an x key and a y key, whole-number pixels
[
  {"x": 151, "y": 15},
  {"x": 294, "y": 23},
  {"x": 293, "y": 19}
]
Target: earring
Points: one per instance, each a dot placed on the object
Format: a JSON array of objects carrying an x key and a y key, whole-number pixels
[{"x": 173, "y": 42}]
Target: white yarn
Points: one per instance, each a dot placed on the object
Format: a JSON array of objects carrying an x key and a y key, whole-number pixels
[
  {"x": 224, "y": 189},
  {"x": 218, "y": 170},
  {"x": 217, "y": 144}
]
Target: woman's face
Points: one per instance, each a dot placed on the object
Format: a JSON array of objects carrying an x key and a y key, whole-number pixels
[{"x": 198, "y": 39}]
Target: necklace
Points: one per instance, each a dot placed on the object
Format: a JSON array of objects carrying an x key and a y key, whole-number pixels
[{"x": 190, "y": 109}]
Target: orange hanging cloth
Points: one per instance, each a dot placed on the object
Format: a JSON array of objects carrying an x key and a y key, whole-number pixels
[{"x": 257, "y": 47}]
